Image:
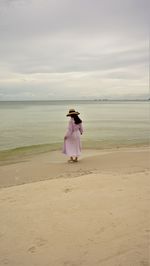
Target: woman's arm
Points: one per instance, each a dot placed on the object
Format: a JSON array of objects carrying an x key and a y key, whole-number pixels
[{"x": 81, "y": 128}]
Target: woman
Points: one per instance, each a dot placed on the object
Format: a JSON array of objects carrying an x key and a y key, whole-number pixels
[{"x": 72, "y": 144}]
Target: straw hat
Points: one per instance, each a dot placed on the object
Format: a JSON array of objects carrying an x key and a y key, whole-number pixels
[{"x": 72, "y": 112}]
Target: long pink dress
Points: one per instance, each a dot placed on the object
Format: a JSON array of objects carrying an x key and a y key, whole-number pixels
[{"x": 72, "y": 145}]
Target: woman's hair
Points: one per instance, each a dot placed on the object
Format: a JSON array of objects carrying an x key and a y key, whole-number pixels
[{"x": 76, "y": 119}]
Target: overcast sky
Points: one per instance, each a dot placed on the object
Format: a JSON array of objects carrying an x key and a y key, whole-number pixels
[{"x": 73, "y": 49}]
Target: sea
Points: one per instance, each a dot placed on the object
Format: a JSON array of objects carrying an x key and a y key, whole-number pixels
[{"x": 43, "y": 124}]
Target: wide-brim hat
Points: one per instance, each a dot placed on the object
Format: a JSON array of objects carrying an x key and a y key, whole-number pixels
[{"x": 72, "y": 112}]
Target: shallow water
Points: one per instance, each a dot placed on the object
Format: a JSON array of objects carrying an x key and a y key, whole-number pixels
[{"x": 106, "y": 124}]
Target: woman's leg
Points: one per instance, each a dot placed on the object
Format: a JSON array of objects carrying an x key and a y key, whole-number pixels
[
  {"x": 71, "y": 159},
  {"x": 76, "y": 159}
]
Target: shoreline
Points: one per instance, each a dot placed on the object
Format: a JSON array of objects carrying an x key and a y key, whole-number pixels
[
  {"x": 19, "y": 154},
  {"x": 54, "y": 165}
]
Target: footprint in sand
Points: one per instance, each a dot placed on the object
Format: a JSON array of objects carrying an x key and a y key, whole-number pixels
[
  {"x": 66, "y": 190},
  {"x": 4, "y": 262},
  {"x": 38, "y": 243},
  {"x": 83, "y": 172},
  {"x": 147, "y": 230},
  {"x": 41, "y": 242},
  {"x": 32, "y": 249},
  {"x": 144, "y": 263}
]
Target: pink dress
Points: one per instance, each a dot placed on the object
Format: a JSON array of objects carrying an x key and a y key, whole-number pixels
[{"x": 72, "y": 145}]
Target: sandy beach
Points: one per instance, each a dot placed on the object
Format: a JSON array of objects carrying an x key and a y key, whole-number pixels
[{"x": 94, "y": 212}]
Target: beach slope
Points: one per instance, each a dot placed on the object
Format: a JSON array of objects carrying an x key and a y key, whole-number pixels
[{"x": 95, "y": 212}]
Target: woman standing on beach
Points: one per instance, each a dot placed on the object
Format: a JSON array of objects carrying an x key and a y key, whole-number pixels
[{"x": 72, "y": 144}]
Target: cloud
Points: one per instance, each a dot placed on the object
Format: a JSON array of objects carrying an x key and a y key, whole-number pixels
[
  {"x": 55, "y": 16},
  {"x": 50, "y": 48}
]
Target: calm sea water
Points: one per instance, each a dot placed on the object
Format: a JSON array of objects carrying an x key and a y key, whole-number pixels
[{"x": 105, "y": 123}]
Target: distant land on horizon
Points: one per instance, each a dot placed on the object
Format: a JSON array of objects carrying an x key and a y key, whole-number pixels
[{"x": 96, "y": 99}]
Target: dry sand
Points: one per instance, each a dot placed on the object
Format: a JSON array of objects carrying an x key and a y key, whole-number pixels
[{"x": 91, "y": 213}]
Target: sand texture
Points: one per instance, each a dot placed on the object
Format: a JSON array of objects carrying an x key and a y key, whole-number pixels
[{"x": 92, "y": 213}]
